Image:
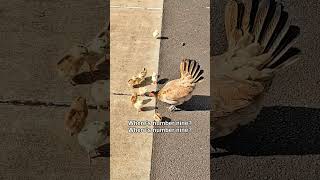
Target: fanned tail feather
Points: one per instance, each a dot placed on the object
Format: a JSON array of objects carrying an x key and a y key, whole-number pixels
[
  {"x": 266, "y": 22},
  {"x": 192, "y": 70}
]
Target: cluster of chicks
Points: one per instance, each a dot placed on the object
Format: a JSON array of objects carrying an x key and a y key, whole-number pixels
[
  {"x": 138, "y": 82},
  {"x": 90, "y": 135},
  {"x": 93, "y": 134}
]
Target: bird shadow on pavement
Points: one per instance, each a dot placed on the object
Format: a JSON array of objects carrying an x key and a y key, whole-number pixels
[
  {"x": 146, "y": 82},
  {"x": 148, "y": 108},
  {"x": 197, "y": 103},
  {"x": 146, "y": 101},
  {"x": 165, "y": 119},
  {"x": 102, "y": 73},
  {"x": 163, "y": 81},
  {"x": 278, "y": 130},
  {"x": 103, "y": 151}
]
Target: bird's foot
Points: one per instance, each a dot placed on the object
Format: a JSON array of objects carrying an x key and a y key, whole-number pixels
[{"x": 173, "y": 108}]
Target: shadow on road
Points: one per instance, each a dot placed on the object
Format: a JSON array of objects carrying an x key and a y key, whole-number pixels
[
  {"x": 102, "y": 73},
  {"x": 103, "y": 151},
  {"x": 277, "y": 130},
  {"x": 163, "y": 81},
  {"x": 197, "y": 103}
]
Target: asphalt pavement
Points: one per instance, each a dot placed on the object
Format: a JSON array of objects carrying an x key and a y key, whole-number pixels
[
  {"x": 283, "y": 142},
  {"x": 185, "y": 32}
]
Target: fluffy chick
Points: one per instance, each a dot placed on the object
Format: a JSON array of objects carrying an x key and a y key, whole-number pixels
[
  {"x": 142, "y": 91},
  {"x": 100, "y": 93},
  {"x": 137, "y": 80},
  {"x": 136, "y": 102},
  {"x": 143, "y": 73},
  {"x": 71, "y": 63},
  {"x": 154, "y": 78},
  {"x": 97, "y": 49},
  {"x": 93, "y": 135},
  {"x": 134, "y": 81},
  {"x": 75, "y": 118},
  {"x": 90, "y": 53},
  {"x": 157, "y": 117}
]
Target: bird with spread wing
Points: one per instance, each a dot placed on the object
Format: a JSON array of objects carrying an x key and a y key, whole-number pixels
[{"x": 260, "y": 43}]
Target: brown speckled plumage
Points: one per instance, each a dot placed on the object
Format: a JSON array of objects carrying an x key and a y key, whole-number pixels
[{"x": 258, "y": 48}]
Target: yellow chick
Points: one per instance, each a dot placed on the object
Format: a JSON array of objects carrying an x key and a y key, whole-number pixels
[
  {"x": 137, "y": 80},
  {"x": 75, "y": 118},
  {"x": 134, "y": 81},
  {"x": 154, "y": 78},
  {"x": 93, "y": 135},
  {"x": 157, "y": 117},
  {"x": 97, "y": 48},
  {"x": 100, "y": 92},
  {"x": 136, "y": 102},
  {"x": 142, "y": 91},
  {"x": 90, "y": 53},
  {"x": 71, "y": 63},
  {"x": 143, "y": 73}
]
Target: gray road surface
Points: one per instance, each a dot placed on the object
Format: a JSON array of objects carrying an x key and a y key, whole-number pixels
[{"x": 184, "y": 156}]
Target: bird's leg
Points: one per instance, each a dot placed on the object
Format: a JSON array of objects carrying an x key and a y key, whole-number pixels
[
  {"x": 92, "y": 69},
  {"x": 89, "y": 157},
  {"x": 98, "y": 108},
  {"x": 174, "y": 108}
]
